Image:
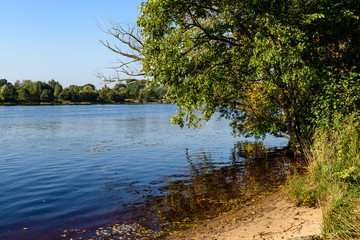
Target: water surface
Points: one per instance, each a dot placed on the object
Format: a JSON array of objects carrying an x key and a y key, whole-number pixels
[{"x": 81, "y": 167}]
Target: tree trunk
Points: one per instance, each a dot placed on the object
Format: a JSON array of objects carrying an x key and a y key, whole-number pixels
[{"x": 293, "y": 131}]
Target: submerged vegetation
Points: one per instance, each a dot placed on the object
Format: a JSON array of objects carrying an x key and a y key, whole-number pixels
[
  {"x": 253, "y": 172},
  {"x": 29, "y": 92},
  {"x": 333, "y": 179},
  {"x": 210, "y": 188}
]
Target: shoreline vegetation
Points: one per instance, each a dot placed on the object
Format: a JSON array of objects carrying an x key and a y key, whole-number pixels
[
  {"x": 332, "y": 181},
  {"x": 27, "y": 92},
  {"x": 127, "y": 101}
]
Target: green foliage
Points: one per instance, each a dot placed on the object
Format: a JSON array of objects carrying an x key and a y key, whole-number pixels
[
  {"x": 121, "y": 92},
  {"x": 108, "y": 95},
  {"x": 52, "y": 83},
  {"x": 3, "y": 82},
  {"x": 105, "y": 95},
  {"x": 65, "y": 95},
  {"x": 24, "y": 95},
  {"x": 278, "y": 67},
  {"x": 152, "y": 94},
  {"x": 57, "y": 90},
  {"x": 74, "y": 93},
  {"x": 300, "y": 190},
  {"x": 333, "y": 179},
  {"x": 134, "y": 89},
  {"x": 40, "y": 91},
  {"x": 88, "y": 93},
  {"x": 27, "y": 91},
  {"x": 8, "y": 93},
  {"x": 46, "y": 95}
]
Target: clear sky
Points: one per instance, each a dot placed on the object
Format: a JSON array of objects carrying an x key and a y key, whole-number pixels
[{"x": 42, "y": 40}]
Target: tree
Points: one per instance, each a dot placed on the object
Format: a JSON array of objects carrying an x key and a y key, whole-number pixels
[
  {"x": 52, "y": 83},
  {"x": 23, "y": 89},
  {"x": 57, "y": 90},
  {"x": 26, "y": 83},
  {"x": 272, "y": 67},
  {"x": 17, "y": 84},
  {"x": 146, "y": 95},
  {"x": 119, "y": 87},
  {"x": 24, "y": 94},
  {"x": 88, "y": 93},
  {"x": 160, "y": 92},
  {"x": 105, "y": 95},
  {"x": 152, "y": 94},
  {"x": 8, "y": 93},
  {"x": 46, "y": 95},
  {"x": 88, "y": 87},
  {"x": 65, "y": 95},
  {"x": 71, "y": 93},
  {"x": 37, "y": 88},
  {"x": 3, "y": 82},
  {"x": 134, "y": 89}
]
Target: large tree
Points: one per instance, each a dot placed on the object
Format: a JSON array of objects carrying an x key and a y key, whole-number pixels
[{"x": 271, "y": 66}]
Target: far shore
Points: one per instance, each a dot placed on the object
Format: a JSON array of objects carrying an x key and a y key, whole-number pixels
[{"x": 164, "y": 101}]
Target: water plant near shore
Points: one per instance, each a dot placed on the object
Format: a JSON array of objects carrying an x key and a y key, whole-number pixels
[{"x": 333, "y": 179}]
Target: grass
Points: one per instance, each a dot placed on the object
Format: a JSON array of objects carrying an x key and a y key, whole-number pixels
[{"x": 332, "y": 180}]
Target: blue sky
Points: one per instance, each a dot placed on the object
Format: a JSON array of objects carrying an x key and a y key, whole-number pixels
[{"x": 42, "y": 40}]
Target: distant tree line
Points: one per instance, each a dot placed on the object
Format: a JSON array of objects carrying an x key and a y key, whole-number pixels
[{"x": 29, "y": 92}]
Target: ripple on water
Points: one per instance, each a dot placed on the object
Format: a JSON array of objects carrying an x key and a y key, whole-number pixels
[{"x": 66, "y": 167}]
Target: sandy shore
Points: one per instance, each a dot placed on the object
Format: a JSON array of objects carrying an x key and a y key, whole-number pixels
[{"x": 271, "y": 218}]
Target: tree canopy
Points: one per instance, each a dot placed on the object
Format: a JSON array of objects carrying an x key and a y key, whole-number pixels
[{"x": 271, "y": 66}]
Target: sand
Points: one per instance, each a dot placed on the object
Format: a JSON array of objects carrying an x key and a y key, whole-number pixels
[{"x": 272, "y": 218}]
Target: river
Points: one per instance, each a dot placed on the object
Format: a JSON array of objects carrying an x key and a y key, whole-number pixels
[{"x": 77, "y": 168}]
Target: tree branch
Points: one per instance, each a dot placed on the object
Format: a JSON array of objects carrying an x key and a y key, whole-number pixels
[{"x": 130, "y": 38}]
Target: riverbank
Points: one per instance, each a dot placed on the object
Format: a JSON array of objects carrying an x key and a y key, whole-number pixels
[
  {"x": 56, "y": 103},
  {"x": 273, "y": 217}
]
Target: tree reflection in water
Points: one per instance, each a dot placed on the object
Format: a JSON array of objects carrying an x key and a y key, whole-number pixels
[{"x": 211, "y": 187}]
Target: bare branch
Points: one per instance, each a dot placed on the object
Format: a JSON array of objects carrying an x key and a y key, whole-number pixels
[
  {"x": 117, "y": 78},
  {"x": 123, "y": 64},
  {"x": 129, "y": 47}
]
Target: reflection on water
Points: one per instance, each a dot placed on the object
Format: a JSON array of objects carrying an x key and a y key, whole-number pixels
[
  {"x": 83, "y": 167},
  {"x": 209, "y": 188}
]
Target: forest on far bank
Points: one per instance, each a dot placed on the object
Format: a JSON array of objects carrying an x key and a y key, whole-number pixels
[{"x": 29, "y": 92}]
